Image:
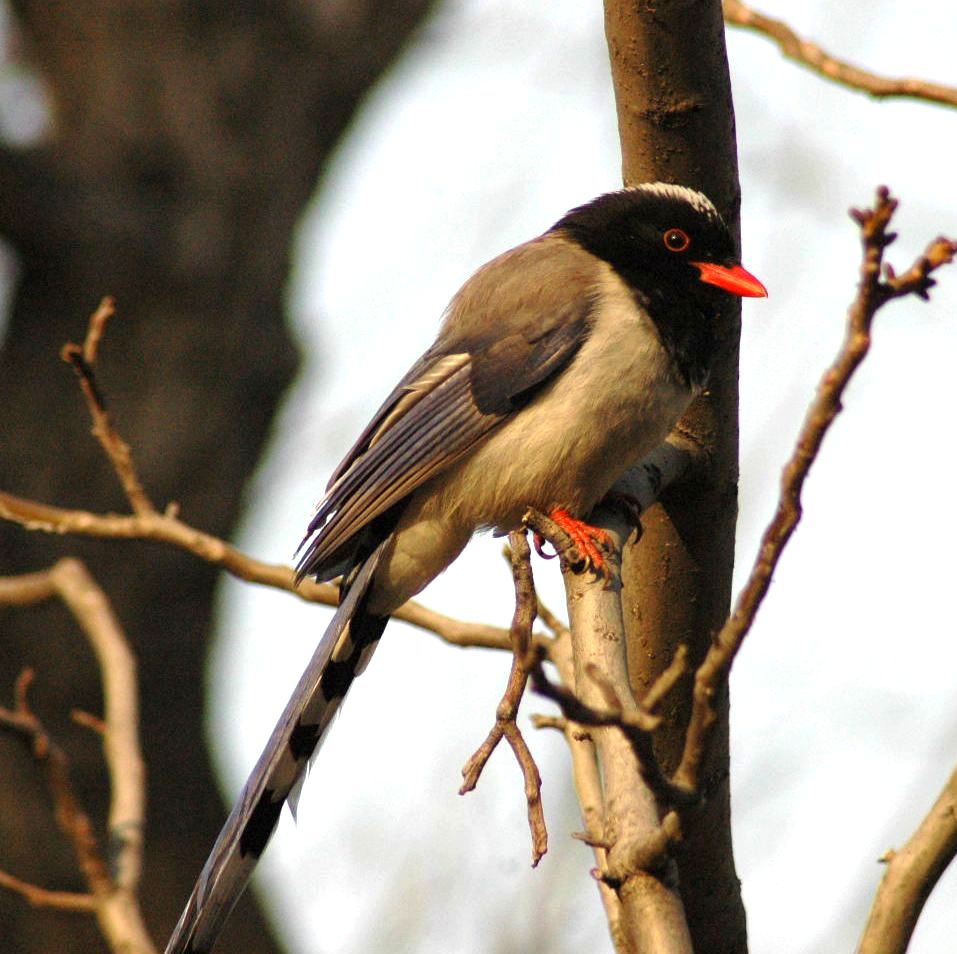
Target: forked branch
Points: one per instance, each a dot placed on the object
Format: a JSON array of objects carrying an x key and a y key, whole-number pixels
[{"x": 112, "y": 882}]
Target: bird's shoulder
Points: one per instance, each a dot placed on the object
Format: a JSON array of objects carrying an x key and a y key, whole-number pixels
[{"x": 525, "y": 291}]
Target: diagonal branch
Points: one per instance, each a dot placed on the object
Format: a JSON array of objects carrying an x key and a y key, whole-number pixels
[
  {"x": 70, "y": 817},
  {"x": 830, "y": 67},
  {"x": 873, "y": 292},
  {"x": 636, "y": 721},
  {"x": 911, "y": 874}
]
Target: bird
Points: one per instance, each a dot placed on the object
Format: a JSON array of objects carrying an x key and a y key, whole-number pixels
[{"x": 557, "y": 366}]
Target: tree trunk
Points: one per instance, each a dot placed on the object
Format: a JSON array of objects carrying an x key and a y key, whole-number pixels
[
  {"x": 676, "y": 124},
  {"x": 186, "y": 139}
]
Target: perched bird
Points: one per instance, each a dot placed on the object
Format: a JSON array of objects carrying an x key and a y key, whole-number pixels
[{"x": 557, "y": 366}]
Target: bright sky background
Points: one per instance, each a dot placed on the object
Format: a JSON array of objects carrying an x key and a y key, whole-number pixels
[{"x": 844, "y": 727}]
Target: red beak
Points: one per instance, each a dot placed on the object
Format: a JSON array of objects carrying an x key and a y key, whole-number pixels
[{"x": 737, "y": 280}]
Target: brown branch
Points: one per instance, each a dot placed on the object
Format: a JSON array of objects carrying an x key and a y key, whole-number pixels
[
  {"x": 112, "y": 885},
  {"x": 83, "y": 359},
  {"x": 524, "y": 657},
  {"x": 637, "y": 864},
  {"x": 70, "y": 817},
  {"x": 146, "y": 523},
  {"x": 587, "y": 779},
  {"x": 912, "y": 872},
  {"x": 667, "y": 680},
  {"x": 170, "y": 530},
  {"x": 124, "y": 760},
  {"x": 873, "y": 293},
  {"x": 43, "y": 898},
  {"x": 814, "y": 58}
]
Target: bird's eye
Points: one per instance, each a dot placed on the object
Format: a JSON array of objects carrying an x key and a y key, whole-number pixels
[{"x": 676, "y": 240}]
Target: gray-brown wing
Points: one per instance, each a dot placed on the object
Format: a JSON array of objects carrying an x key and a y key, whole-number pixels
[{"x": 457, "y": 393}]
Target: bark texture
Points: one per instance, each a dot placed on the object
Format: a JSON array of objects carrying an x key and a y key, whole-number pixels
[
  {"x": 676, "y": 123},
  {"x": 186, "y": 139}
]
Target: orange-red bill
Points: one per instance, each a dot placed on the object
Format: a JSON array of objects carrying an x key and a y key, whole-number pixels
[{"x": 737, "y": 280}]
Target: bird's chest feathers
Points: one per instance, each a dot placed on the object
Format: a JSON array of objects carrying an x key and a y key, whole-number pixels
[
  {"x": 614, "y": 403},
  {"x": 624, "y": 382}
]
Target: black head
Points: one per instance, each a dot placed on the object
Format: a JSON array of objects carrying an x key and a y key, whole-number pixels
[{"x": 675, "y": 252}]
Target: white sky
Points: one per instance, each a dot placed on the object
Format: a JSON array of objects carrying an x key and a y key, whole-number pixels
[{"x": 844, "y": 724}]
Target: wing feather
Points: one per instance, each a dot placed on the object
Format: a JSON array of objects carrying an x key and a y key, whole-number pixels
[{"x": 514, "y": 325}]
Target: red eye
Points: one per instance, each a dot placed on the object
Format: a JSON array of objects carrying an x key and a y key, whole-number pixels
[{"x": 676, "y": 240}]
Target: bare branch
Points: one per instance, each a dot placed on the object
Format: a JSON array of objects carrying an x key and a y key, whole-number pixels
[
  {"x": 814, "y": 58},
  {"x": 42, "y": 898},
  {"x": 587, "y": 778},
  {"x": 911, "y": 875},
  {"x": 648, "y": 913},
  {"x": 70, "y": 817},
  {"x": 635, "y": 723},
  {"x": 121, "y": 747},
  {"x": 82, "y": 359},
  {"x": 668, "y": 679},
  {"x": 169, "y": 529},
  {"x": 524, "y": 657},
  {"x": 112, "y": 884},
  {"x": 872, "y": 294}
]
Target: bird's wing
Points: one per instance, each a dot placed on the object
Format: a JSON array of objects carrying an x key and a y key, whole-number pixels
[{"x": 473, "y": 379}]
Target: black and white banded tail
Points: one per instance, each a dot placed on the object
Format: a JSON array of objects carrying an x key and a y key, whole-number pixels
[{"x": 341, "y": 655}]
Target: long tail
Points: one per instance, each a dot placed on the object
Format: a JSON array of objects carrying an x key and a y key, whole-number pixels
[{"x": 341, "y": 655}]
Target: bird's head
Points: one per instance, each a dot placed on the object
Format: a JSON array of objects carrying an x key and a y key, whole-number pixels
[{"x": 664, "y": 240}]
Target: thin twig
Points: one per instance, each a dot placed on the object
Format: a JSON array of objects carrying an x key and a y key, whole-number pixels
[
  {"x": 873, "y": 293},
  {"x": 666, "y": 680},
  {"x": 524, "y": 657},
  {"x": 70, "y": 817},
  {"x": 43, "y": 898},
  {"x": 83, "y": 359},
  {"x": 830, "y": 67}
]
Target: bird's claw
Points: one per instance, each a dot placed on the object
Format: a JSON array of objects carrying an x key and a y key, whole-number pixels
[
  {"x": 538, "y": 541},
  {"x": 592, "y": 543},
  {"x": 629, "y": 506}
]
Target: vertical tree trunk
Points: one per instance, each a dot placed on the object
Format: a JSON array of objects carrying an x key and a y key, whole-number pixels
[
  {"x": 676, "y": 124},
  {"x": 186, "y": 139}
]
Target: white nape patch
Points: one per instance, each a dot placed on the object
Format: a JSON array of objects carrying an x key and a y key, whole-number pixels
[{"x": 697, "y": 200}]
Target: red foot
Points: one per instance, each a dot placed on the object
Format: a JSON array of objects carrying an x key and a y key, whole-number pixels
[{"x": 589, "y": 541}]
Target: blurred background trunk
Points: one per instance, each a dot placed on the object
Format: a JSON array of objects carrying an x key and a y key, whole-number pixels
[{"x": 184, "y": 140}]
